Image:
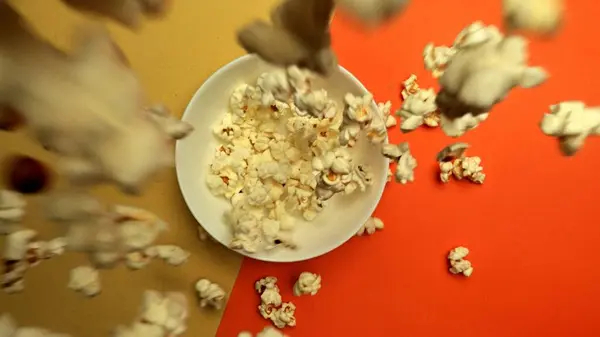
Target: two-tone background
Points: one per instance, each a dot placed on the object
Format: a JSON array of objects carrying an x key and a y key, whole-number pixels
[{"x": 533, "y": 227}]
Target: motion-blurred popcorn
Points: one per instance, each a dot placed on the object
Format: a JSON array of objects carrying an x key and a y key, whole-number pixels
[
  {"x": 277, "y": 163},
  {"x": 85, "y": 279},
  {"x": 12, "y": 211},
  {"x": 537, "y": 16},
  {"x": 307, "y": 284},
  {"x": 9, "y": 328},
  {"x": 173, "y": 255},
  {"x": 571, "y": 123},
  {"x": 372, "y": 225},
  {"x": 210, "y": 294},
  {"x": 167, "y": 311}
]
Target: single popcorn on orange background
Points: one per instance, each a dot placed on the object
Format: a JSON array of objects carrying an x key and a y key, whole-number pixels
[
  {"x": 410, "y": 86},
  {"x": 453, "y": 163}
]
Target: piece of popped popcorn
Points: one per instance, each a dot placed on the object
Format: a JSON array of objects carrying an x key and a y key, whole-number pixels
[
  {"x": 405, "y": 168},
  {"x": 376, "y": 131},
  {"x": 418, "y": 109},
  {"x": 227, "y": 130},
  {"x": 453, "y": 162},
  {"x": 274, "y": 86},
  {"x": 410, "y": 86},
  {"x": 12, "y": 211},
  {"x": 537, "y": 16},
  {"x": 265, "y": 283},
  {"x": 284, "y": 316},
  {"x": 458, "y": 264},
  {"x": 456, "y": 127},
  {"x": 483, "y": 74},
  {"x": 436, "y": 58},
  {"x": 385, "y": 111},
  {"x": 300, "y": 79},
  {"x": 210, "y": 294},
  {"x": 394, "y": 151},
  {"x": 85, "y": 279},
  {"x": 571, "y": 123},
  {"x": 370, "y": 226},
  {"x": 307, "y": 283},
  {"x": 167, "y": 311},
  {"x": 315, "y": 103},
  {"x": 358, "y": 108}
]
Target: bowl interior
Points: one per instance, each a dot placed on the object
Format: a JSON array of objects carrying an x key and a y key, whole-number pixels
[{"x": 334, "y": 226}]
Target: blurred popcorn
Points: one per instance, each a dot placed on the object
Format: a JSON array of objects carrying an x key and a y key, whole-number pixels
[
  {"x": 372, "y": 225},
  {"x": 85, "y": 279},
  {"x": 12, "y": 211},
  {"x": 210, "y": 294}
]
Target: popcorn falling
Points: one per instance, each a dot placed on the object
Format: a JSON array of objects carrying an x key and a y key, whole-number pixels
[
  {"x": 458, "y": 263},
  {"x": 266, "y": 332},
  {"x": 272, "y": 307},
  {"x": 410, "y": 86},
  {"x": 210, "y": 294},
  {"x": 418, "y": 109},
  {"x": 571, "y": 123},
  {"x": 22, "y": 252},
  {"x": 453, "y": 163},
  {"x": 12, "y": 211},
  {"x": 307, "y": 284},
  {"x": 372, "y": 225},
  {"x": 9, "y": 328},
  {"x": 406, "y": 163},
  {"x": 537, "y": 16},
  {"x": 85, "y": 279},
  {"x": 161, "y": 315},
  {"x": 285, "y": 152}
]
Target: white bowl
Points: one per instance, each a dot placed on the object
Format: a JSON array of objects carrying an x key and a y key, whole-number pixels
[{"x": 335, "y": 225}]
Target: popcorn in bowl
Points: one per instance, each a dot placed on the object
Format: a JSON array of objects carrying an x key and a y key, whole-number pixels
[{"x": 286, "y": 149}]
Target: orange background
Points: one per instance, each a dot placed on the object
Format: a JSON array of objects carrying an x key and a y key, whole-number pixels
[{"x": 532, "y": 228}]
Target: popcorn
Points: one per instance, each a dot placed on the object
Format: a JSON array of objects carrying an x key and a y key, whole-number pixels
[
  {"x": 406, "y": 163},
  {"x": 9, "y": 328},
  {"x": 377, "y": 131},
  {"x": 266, "y": 332},
  {"x": 282, "y": 154},
  {"x": 172, "y": 126},
  {"x": 385, "y": 113},
  {"x": 370, "y": 226},
  {"x": 571, "y": 122},
  {"x": 459, "y": 126},
  {"x": 138, "y": 228},
  {"x": 458, "y": 263},
  {"x": 538, "y": 16},
  {"x": 166, "y": 313},
  {"x": 410, "y": 87},
  {"x": 436, "y": 58},
  {"x": 138, "y": 259},
  {"x": 11, "y": 211},
  {"x": 84, "y": 279},
  {"x": 483, "y": 74},
  {"x": 210, "y": 294},
  {"x": 307, "y": 283},
  {"x": 284, "y": 316},
  {"x": 452, "y": 162},
  {"x": 418, "y": 109}
]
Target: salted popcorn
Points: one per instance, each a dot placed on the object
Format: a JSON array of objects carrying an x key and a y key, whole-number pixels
[
  {"x": 410, "y": 86},
  {"x": 458, "y": 264},
  {"x": 160, "y": 315},
  {"x": 483, "y": 74},
  {"x": 307, "y": 283},
  {"x": 85, "y": 279},
  {"x": 571, "y": 123},
  {"x": 283, "y": 155},
  {"x": 9, "y": 328},
  {"x": 436, "y": 58},
  {"x": 12, "y": 211},
  {"x": 453, "y": 163},
  {"x": 272, "y": 307},
  {"x": 418, "y": 109},
  {"x": 210, "y": 294},
  {"x": 538, "y": 16},
  {"x": 266, "y": 332},
  {"x": 405, "y": 162},
  {"x": 372, "y": 225}
]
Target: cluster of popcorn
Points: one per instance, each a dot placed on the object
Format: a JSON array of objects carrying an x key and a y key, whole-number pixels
[
  {"x": 272, "y": 307},
  {"x": 307, "y": 284},
  {"x": 22, "y": 251},
  {"x": 458, "y": 264},
  {"x": 210, "y": 294},
  {"x": 12, "y": 211},
  {"x": 571, "y": 123},
  {"x": 405, "y": 162},
  {"x": 418, "y": 106},
  {"x": 286, "y": 150},
  {"x": 372, "y": 225},
  {"x": 453, "y": 163},
  {"x": 161, "y": 315},
  {"x": 9, "y": 328}
]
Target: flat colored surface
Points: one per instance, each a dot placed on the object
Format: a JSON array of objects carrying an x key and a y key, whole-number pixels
[{"x": 532, "y": 227}]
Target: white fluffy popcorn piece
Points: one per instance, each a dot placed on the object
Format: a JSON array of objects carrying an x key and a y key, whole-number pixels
[
  {"x": 458, "y": 264},
  {"x": 436, "y": 58},
  {"x": 358, "y": 108},
  {"x": 456, "y": 127},
  {"x": 315, "y": 103},
  {"x": 284, "y": 316},
  {"x": 537, "y": 16},
  {"x": 410, "y": 86},
  {"x": 405, "y": 161},
  {"x": 9, "y": 328},
  {"x": 372, "y": 225},
  {"x": 571, "y": 123},
  {"x": 173, "y": 255},
  {"x": 274, "y": 86},
  {"x": 483, "y": 74},
  {"x": 418, "y": 109},
  {"x": 85, "y": 279},
  {"x": 210, "y": 294},
  {"x": 376, "y": 130},
  {"x": 300, "y": 79},
  {"x": 12, "y": 211},
  {"x": 167, "y": 311},
  {"x": 138, "y": 228},
  {"x": 453, "y": 163},
  {"x": 385, "y": 111},
  {"x": 307, "y": 284}
]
